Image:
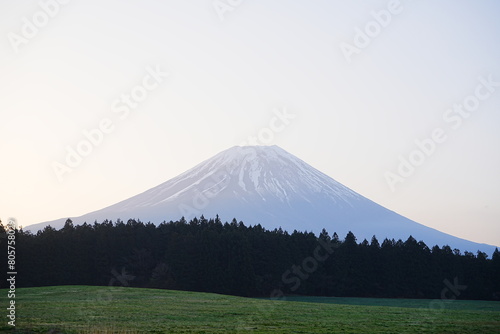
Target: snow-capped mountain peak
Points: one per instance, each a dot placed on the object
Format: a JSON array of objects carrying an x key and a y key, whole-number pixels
[{"x": 267, "y": 185}]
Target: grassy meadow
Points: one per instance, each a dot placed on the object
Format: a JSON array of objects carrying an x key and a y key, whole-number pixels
[{"x": 85, "y": 309}]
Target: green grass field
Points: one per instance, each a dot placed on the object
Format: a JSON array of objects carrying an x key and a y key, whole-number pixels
[
  {"x": 473, "y": 305},
  {"x": 83, "y": 309}
]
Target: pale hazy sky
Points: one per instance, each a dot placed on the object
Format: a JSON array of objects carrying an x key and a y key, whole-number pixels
[{"x": 229, "y": 69}]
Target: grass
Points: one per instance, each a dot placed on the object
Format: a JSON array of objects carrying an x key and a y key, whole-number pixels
[
  {"x": 83, "y": 309},
  {"x": 474, "y": 305}
]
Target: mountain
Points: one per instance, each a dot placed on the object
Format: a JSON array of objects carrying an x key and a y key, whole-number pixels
[{"x": 267, "y": 185}]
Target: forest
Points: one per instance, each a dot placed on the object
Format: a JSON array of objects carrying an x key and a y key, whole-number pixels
[{"x": 207, "y": 255}]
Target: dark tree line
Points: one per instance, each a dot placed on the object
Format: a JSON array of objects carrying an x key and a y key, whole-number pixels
[{"x": 231, "y": 258}]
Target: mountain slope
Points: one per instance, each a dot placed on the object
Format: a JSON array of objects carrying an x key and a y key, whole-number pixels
[{"x": 267, "y": 185}]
